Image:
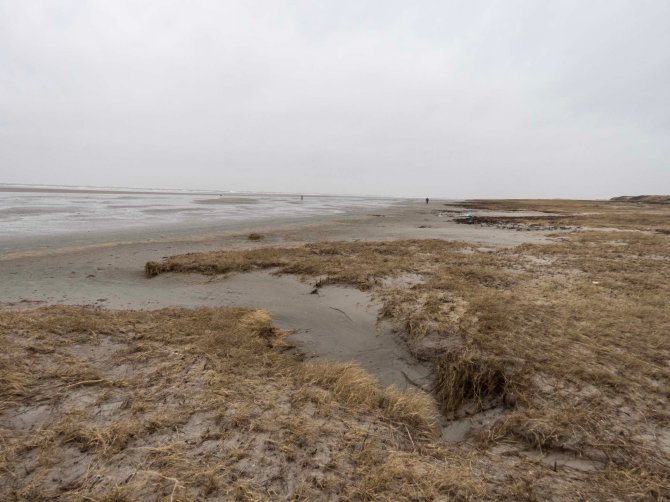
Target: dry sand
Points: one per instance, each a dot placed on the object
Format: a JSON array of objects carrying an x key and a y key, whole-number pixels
[{"x": 106, "y": 270}]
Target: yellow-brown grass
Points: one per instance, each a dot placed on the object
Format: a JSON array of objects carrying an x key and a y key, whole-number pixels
[
  {"x": 570, "y": 337},
  {"x": 629, "y": 215},
  {"x": 188, "y": 404}
]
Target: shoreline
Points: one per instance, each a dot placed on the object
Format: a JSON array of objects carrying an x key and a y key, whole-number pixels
[
  {"x": 401, "y": 220},
  {"x": 197, "y": 227},
  {"x": 8, "y": 187},
  {"x": 18, "y": 246},
  {"x": 33, "y": 269}
]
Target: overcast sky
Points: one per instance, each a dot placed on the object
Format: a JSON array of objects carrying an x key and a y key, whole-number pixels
[{"x": 445, "y": 98}]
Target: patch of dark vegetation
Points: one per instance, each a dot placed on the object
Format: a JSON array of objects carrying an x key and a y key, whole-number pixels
[
  {"x": 548, "y": 222},
  {"x": 255, "y": 237},
  {"x": 469, "y": 383},
  {"x": 643, "y": 215},
  {"x": 651, "y": 199}
]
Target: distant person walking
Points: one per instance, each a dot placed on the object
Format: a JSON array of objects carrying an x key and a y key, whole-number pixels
[{"x": 427, "y": 200}]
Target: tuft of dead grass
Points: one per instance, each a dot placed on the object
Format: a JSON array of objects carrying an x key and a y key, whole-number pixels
[
  {"x": 411, "y": 409},
  {"x": 466, "y": 378}
]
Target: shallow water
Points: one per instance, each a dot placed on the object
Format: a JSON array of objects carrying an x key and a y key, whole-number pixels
[{"x": 43, "y": 213}]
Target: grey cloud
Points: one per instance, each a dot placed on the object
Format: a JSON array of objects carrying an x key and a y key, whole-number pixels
[{"x": 455, "y": 99}]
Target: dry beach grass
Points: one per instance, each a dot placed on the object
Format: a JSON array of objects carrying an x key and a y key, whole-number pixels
[
  {"x": 563, "y": 347},
  {"x": 569, "y": 339},
  {"x": 186, "y": 404}
]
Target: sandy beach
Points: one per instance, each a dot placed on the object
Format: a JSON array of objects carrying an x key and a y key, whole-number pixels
[{"x": 105, "y": 269}]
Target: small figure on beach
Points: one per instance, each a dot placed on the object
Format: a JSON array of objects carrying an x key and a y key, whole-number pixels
[
  {"x": 301, "y": 197},
  {"x": 427, "y": 200}
]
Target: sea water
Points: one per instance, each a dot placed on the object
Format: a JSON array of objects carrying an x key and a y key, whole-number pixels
[{"x": 63, "y": 210}]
